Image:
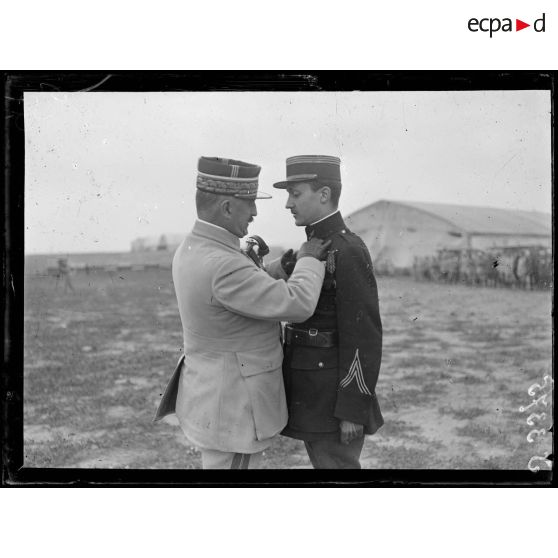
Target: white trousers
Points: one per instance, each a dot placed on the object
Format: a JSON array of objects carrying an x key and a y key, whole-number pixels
[{"x": 214, "y": 459}]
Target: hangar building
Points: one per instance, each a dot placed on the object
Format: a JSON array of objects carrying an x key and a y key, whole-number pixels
[{"x": 395, "y": 231}]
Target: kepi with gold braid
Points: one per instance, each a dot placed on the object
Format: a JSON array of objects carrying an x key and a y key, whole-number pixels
[{"x": 229, "y": 177}]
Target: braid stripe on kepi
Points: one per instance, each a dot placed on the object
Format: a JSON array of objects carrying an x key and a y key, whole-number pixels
[
  {"x": 227, "y": 188},
  {"x": 313, "y": 159}
]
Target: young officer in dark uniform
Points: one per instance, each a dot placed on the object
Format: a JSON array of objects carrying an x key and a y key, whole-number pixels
[{"x": 332, "y": 360}]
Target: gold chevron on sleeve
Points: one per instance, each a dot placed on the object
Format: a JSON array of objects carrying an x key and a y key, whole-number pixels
[{"x": 355, "y": 373}]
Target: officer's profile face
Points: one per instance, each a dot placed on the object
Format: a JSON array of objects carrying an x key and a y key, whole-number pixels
[
  {"x": 305, "y": 204},
  {"x": 239, "y": 213}
]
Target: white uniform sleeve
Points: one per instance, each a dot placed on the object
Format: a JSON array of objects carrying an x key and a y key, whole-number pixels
[
  {"x": 275, "y": 270},
  {"x": 243, "y": 288}
]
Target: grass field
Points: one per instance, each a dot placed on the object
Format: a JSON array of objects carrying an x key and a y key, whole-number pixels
[{"x": 457, "y": 365}]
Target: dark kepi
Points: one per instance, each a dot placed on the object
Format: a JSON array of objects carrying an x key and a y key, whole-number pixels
[{"x": 307, "y": 168}]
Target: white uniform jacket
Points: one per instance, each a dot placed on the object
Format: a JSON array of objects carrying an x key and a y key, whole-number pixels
[{"x": 229, "y": 390}]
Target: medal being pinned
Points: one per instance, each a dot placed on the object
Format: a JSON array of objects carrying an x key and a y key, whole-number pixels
[
  {"x": 256, "y": 249},
  {"x": 330, "y": 261}
]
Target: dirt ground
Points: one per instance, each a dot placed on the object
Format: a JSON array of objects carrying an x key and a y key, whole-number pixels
[{"x": 457, "y": 364}]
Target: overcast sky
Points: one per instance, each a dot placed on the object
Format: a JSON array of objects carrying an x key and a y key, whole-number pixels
[{"x": 105, "y": 168}]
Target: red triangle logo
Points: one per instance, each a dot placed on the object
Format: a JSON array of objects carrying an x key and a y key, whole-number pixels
[{"x": 519, "y": 25}]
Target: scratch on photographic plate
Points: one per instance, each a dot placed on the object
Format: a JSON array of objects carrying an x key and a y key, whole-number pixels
[{"x": 96, "y": 85}]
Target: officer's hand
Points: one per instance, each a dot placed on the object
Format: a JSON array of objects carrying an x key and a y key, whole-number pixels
[
  {"x": 288, "y": 261},
  {"x": 350, "y": 431},
  {"x": 315, "y": 248}
]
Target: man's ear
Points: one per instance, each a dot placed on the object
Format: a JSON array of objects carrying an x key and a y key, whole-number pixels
[
  {"x": 325, "y": 194},
  {"x": 225, "y": 208}
]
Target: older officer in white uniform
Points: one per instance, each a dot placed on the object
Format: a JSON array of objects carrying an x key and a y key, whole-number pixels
[{"x": 227, "y": 390}]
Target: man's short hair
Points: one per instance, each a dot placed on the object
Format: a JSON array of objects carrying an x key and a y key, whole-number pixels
[
  {"x": 333, "y": 185},
  {"x": 206, "y": 200}
]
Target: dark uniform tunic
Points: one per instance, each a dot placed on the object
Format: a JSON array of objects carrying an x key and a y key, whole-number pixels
[{"x": 332, "y": 360}]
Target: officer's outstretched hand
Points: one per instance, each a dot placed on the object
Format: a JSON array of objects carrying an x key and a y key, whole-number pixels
[
  {"x": 315, "y": 248},
  {"x": 350, "y": 431},
  {"x": 288, "y": 261}
]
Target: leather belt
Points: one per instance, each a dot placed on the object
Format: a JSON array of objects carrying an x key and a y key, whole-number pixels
[{"x": 310, "y": 337}]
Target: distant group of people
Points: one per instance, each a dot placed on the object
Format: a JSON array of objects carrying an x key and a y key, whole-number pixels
[
  {"x": 524, "y": 267},
  {"x": 294, "y": 349}
]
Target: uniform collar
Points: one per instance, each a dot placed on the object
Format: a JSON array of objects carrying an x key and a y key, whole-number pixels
[
  {"x": 217, "y": 233},
  {"x": 326, "y": 227}
]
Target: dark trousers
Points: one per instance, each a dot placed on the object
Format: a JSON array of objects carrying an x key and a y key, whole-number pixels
[{"x": 332, "y": 454}]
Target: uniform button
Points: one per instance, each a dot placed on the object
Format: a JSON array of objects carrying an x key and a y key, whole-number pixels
[
  {"x": 320, "y": 364},
  {"x": 343, "y": 231}
]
